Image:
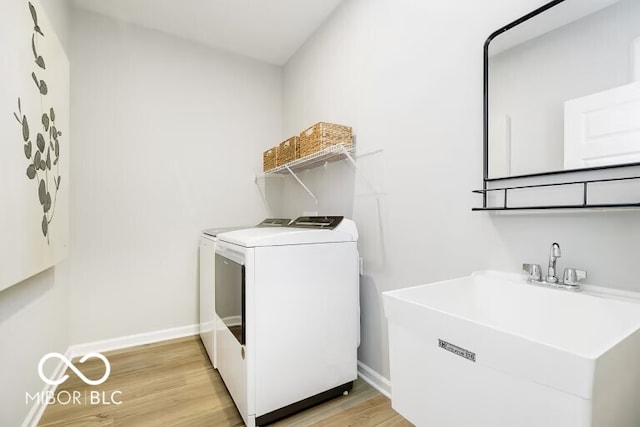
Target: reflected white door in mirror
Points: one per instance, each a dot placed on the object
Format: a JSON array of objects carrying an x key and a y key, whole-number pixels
[{"x": 603, "y": 128}]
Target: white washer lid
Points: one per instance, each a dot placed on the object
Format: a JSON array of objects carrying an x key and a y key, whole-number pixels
[
  {"x": 256, "y": 237},
  {"x": 213, "y": 232}
]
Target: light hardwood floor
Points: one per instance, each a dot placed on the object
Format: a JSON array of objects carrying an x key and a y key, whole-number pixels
[{"x": 172, "y": 383}]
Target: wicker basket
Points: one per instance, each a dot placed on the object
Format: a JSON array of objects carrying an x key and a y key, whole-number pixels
[
  {"x": 288, "y": 151},
  {"x": 270, "y": 159},
  {"x": 322, "y": 135}
]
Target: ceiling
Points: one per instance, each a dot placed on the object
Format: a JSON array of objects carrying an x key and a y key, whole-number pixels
[{"x": 267, "y": 30}]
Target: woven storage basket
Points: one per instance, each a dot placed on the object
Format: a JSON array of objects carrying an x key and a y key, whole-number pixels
[
  {"x": 322, "y": 135},
  {"x": 288, "y": 151},
  {"x": 270, "y": 159}
]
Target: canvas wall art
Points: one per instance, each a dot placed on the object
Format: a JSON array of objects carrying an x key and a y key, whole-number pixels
[{"x": 34, "y": 144}]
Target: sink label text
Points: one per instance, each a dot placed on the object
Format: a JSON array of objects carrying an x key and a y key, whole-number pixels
[{"x": 459, "y": 351}]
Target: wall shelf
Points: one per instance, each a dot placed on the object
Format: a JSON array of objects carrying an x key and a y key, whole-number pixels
[
  {"x": 329, "y": 154},
  {"x": 504, "y": 205}
]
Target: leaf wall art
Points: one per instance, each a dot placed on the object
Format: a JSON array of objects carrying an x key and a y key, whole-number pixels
[{"x": 34, "y": 149}]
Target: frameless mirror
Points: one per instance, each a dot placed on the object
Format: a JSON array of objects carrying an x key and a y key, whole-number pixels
[{"x": 562, "y": 89}]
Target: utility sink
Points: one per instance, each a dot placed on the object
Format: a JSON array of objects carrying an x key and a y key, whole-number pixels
[{"x": 491, "y": 350}]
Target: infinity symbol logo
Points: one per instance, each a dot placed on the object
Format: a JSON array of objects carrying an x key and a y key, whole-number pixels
[{"x": 70, "y": 365}]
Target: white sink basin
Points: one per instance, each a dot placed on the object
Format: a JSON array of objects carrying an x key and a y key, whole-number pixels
[{"x": 531, "y": 356}]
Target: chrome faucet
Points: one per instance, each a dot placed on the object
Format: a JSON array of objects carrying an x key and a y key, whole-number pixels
[
  {"x": 553, "y": 257},
  {"x": 571, "y": 276}
]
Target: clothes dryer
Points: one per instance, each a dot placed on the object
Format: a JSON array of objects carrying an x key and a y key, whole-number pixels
[{"x": 288, "y": 319}]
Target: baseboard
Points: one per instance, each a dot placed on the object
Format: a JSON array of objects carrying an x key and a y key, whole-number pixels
[
  {"x": 38, "y": 408},
  {"x": 132, "y": 340},
  {"x": 374, "y": 379}
]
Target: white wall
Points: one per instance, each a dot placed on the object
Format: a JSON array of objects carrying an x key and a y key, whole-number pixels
[
  {"x": 33, "y": 313},
  {"x": 168, "y": 135},
  {"x": 408, "y": 77},
  {"x": 33, "y": 322},
  {"x": 58, "y": 13}
]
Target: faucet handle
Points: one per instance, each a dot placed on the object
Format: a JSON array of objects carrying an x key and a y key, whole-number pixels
[
  {"x": 534, "y": 271},
  {"x": 571, "y": 276}
]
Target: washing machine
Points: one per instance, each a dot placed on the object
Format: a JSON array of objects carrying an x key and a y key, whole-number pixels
[
  {"x": 207, "y": 280},
  {"x": 288, "y": 318}
]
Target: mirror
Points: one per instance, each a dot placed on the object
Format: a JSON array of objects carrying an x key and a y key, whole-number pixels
[{"x": 562, "y": 90}]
